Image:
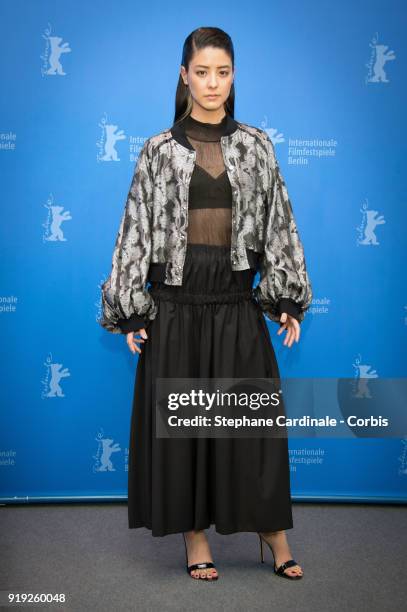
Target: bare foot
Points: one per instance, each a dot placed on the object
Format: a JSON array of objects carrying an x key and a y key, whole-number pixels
[
  {"x": 281, "y": 550},
  {"x": 199, "y": 552}
]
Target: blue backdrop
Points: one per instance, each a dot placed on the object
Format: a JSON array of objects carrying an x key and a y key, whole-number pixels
[{"x": 83, "y": 85}]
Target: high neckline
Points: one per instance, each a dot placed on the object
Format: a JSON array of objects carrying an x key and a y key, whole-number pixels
[
  {"x": 203, "y": 131},
  {"x": 177, "y": 130},
  {"x": 220, "y": 123}
]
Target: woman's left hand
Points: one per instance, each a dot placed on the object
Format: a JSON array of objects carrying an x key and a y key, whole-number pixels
[{"x": 292, "y": 326}]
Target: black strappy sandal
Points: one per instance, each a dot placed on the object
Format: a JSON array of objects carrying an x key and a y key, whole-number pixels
[
  {"x": 279, "y": 570},
  {"x": 198, "y": 566}
]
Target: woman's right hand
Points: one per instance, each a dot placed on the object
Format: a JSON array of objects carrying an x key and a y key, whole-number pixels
[{"x": 131, "y": 340}]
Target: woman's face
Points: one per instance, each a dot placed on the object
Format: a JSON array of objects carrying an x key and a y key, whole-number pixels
[{"x": 210, "y": 73}]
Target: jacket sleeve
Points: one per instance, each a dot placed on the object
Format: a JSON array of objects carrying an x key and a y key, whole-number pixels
[
  {"x": 126, "y": 303},
  {"x": 284, "y": 285}
]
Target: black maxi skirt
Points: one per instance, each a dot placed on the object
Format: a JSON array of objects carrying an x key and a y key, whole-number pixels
[{"x": 208, "y": 327}]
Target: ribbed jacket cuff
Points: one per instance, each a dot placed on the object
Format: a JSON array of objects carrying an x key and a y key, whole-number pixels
[
  {"x": 289, "y": 306},
  {"x": 133, "y": 324}
]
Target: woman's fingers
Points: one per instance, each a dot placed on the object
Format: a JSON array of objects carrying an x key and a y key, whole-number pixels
[
  {"x": 131, "y": 343},
  {"x": 287, "y": 339},
  {"x": 292, "y": 326},
  {"x": 133, "y": 346},
  {"x": 297, "y": 330},
  {"x": 131, "y": 340},
  {"x": 283, "y": 323},
  {"x": 143, "y": 333},
  {"x": 294, "y": 331}
]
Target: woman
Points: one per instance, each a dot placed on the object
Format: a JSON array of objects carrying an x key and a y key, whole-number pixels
[{"x": 207, "y": 208}]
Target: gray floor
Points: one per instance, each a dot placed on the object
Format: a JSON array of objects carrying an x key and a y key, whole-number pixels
[{"x": 352, "y": 556}]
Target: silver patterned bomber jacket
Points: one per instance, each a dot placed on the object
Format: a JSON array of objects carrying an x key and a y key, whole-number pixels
[{"x": 153, "y": 228}]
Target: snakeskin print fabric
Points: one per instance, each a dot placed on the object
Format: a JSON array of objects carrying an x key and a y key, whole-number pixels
[{"x": 154, "y": 224}]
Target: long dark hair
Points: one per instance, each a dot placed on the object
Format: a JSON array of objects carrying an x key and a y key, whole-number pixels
[{"x": 198, "y": 39}]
